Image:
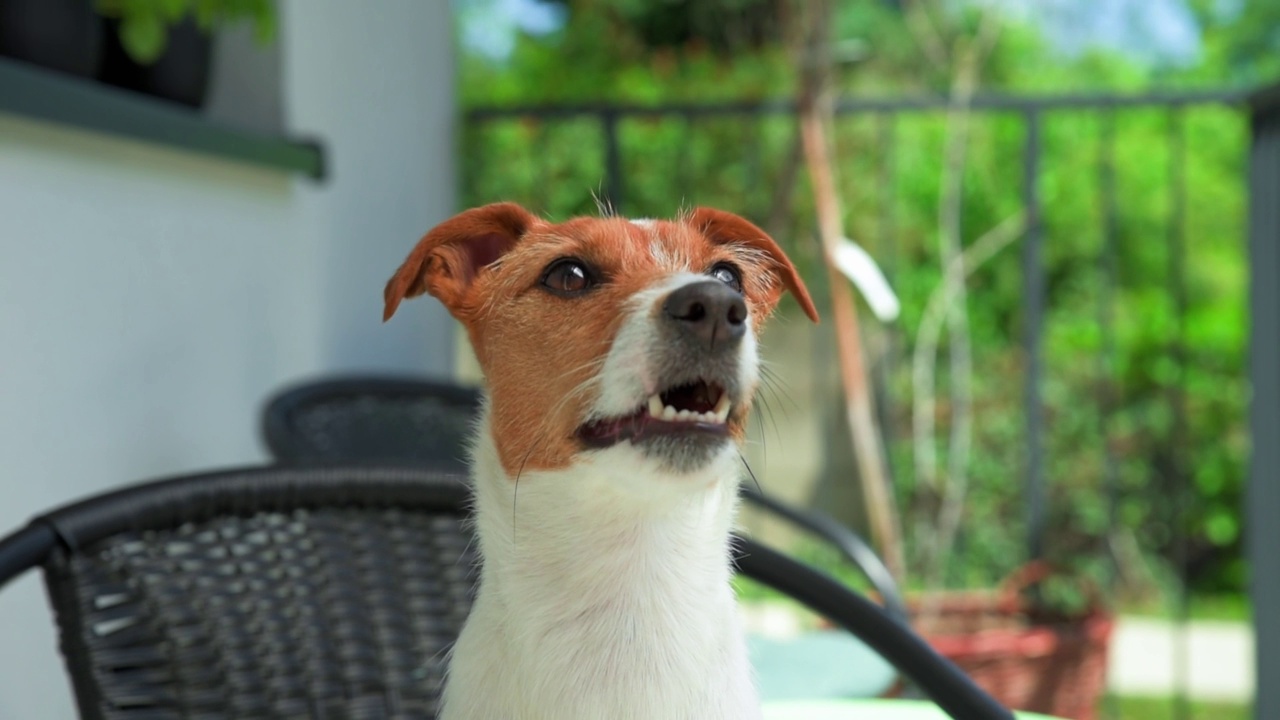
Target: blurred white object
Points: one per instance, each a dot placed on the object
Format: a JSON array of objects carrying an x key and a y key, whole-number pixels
[{"x": 865, "y": 274}]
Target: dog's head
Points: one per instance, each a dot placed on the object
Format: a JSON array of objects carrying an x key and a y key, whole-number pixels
[{"x": 599, "y": 331}]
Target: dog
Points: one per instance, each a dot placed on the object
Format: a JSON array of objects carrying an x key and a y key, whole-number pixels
[{"x": 620, "y": 359}]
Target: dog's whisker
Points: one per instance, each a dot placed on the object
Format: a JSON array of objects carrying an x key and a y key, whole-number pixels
[
  {"x": 767, "y": 385},
  {"x": 781, "y": 391},
  {"x": 545, "y": 435},
  {"x": 549, "y": 416},
  {"x": 515, "y": 491},
  {"x": 768, "y": 413},
  {"x": 777, "y": 433},
  {"x": 573, "y": 394},
  {"x": 779, "y": 387},
  {"x": 593, "y": 364},
  {"x": 764, "y": 440},
  {"x": 771, "y": 374},
  {"x": 777, "y": 397},
  {"x": 750, "y": 472}
]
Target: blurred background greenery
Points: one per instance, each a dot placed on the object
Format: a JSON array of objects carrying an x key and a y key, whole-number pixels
[{"x": 677, "y": 51}]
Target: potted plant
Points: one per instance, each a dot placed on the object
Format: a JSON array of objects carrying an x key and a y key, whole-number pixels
[
  {"x": 62, "y": 35},
  {"x": 164, "y": 48},
  {"x": 1039, "y": 642}
]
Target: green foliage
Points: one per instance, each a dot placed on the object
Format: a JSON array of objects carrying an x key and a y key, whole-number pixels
[
  {"x": 1243, "y": 47},
  {"x": 1163, "y": 708},
  {"x": 1110, "y": 395},
  {"x": 144, "y": 24},
  {"x": 1232, "y": 608}
]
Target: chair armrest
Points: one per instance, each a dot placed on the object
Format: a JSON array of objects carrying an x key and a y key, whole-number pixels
[
  {"x": 937, "y": 677},
  {"x": 24, "y": 549},
  {"x": 850, "y": 545}
]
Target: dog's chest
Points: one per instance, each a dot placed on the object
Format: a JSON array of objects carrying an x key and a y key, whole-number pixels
[
  {"x": 638, "y": 658},
  {"x": 592, "y": 607}
]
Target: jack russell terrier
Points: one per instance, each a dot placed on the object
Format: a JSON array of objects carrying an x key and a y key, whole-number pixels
[{"x": 620, "y": 360}]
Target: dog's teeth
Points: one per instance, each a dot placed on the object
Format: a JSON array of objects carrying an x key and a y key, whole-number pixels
[
  {"x": 660, "y": 411},
  {"x": 655, "y": 406},
  {"x": 722, "y": 409},
  {"x": 722, "y": 405}
]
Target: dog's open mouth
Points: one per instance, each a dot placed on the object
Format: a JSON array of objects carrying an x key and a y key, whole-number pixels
[{"x": 699, "y": 407}]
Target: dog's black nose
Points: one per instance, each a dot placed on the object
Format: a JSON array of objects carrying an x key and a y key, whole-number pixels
[{"x": 709, "y": 312}]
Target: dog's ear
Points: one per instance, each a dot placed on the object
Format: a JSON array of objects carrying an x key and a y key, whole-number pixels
[
  {"x": 448, "y": 258},
  {"x": 724, "y": 227}
]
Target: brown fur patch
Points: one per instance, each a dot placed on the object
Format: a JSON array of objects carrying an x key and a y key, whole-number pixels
[{"x": 540, "y": 352}]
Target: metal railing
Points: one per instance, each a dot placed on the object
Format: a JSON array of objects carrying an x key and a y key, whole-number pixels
[{"x": 1264, "y": 302}]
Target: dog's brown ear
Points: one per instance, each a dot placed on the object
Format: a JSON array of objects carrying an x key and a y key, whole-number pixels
[
  {"x": 448, "y": 258},
  {"x": 725, "y": 227}
]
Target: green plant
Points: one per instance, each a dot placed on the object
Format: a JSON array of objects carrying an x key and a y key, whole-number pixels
[
  {"x": 144, "y": 24},
  {"x": 1114, "y": 460},
  {"x": 1162, "y": 708}
]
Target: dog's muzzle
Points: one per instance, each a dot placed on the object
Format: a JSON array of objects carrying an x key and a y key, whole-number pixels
[{"x": 696, "y": 350}]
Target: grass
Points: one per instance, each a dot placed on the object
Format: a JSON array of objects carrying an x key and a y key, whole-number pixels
[
  {"x": 1134, "y": 708},
  {"x": 1230, "y": 608}
]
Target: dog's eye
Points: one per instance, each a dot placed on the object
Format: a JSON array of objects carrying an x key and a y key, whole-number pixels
[
  {"x": 727, "y": 274},
  {"x": 567, "y": 277}
]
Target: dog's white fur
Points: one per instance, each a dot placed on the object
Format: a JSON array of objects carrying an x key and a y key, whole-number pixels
[{"x": 605, "y": 591}]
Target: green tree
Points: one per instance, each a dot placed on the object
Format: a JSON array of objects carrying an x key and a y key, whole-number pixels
[{"x": 617, "y": 51}]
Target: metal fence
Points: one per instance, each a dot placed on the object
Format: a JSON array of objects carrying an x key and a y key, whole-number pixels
[
  {"x": 1264, "y": 490},
  {"x": 599, "y": 132}
]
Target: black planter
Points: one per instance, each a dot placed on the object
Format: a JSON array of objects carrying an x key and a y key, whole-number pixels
[
  {"x": 62, "y": 35},
  {"x": 180, "y": 75}
]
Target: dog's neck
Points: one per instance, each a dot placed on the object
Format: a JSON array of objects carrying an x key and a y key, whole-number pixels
[
  {"x": 609, "y": 591},
  {"x": 597, "y": 534}
]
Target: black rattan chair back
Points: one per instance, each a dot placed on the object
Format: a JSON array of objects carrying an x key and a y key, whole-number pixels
[
  {"x": 372, "y": 420},
  {"x": 263, "y": 594}
]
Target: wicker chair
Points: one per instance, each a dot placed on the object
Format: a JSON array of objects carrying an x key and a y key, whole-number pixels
[
  {"x": 372, "y": 419},
  {"x": 323, "y": 593},
  {"x": 405, "y": 421}
]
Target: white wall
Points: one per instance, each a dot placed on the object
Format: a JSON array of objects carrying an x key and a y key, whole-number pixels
[{"x": 150, "y": 299}]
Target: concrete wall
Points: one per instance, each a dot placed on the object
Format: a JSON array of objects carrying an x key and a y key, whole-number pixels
[{"x": 150, "y": 299}]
